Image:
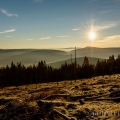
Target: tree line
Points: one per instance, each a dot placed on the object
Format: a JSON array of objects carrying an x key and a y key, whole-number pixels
[{"x": 18, "y": 74}]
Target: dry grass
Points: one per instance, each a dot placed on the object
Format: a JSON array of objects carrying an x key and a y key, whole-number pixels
[
  {"x": 42, "y": 95},
  {"x": 25, "y": 97}
]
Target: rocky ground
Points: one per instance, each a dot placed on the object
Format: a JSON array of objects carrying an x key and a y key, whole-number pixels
[{"x": 97, "y": 98}]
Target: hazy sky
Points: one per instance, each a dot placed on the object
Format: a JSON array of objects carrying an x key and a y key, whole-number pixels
[{"x": 59, "y": 23}]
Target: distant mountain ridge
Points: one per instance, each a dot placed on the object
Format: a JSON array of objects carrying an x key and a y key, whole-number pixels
[
  {"x": 79, "y": 61},
  {"x": 33, "y": 56},
  {"x": 97, "y": 52}
]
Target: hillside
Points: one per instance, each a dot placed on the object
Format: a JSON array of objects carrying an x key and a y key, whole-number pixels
[
  {"x": 56, "y": 57},
  {"x": 31, "y": 56},
  {"x": 79, "y": 61},
  {"x": 86, "y": 99},
  {"x": 97, "y": 52}
]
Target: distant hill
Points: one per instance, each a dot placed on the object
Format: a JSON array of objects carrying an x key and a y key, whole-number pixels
[
  {"x": 33, "y": 56},
  {"x": 97, "y": 52},
  {"x": 79, "y": 61}
]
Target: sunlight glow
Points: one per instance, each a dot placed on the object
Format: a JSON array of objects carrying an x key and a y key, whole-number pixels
[{"x": 92, "y": 35}]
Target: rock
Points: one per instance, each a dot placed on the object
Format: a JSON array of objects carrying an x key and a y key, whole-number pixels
[
  {"x": 71, "y": 106},
  {"x": 85, "y": 88},
  {"x": 76, "y": 87},
  {"x": 84, "y": 83},
  {"x": 81, "y": 102},
  {"x": 115, "y": 86},
  {"x": 101, "y": 82},
  {"x": 80, "y": 114},
  {"x": 115, "y": 93}
]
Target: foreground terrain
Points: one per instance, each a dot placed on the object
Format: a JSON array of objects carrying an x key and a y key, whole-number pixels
[{"x": 86, "y": 99}]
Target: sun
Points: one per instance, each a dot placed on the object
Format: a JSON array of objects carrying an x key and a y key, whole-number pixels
[{"x": 92, "y": 35}]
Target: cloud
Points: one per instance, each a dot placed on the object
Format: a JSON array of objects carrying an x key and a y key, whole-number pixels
[
  {"x": 37, "y": 1},
  {"x": 8, "y": 14},
  {"x": 7, "y": 31},
  {"x": 45, "y": 38},
  {"x": 62, "y": 36},
  {"x": 8, "y": 36},
  {"x": 105, "y": 11},
  {"x": 60, "y": 19},
  {"x": 30, "y": 39},
  {"x": 76, "y": 29},
  {"x": 106, "y": 26},
  {"x": 110, "y": 39},
  {"x": 93, "y": 0}
]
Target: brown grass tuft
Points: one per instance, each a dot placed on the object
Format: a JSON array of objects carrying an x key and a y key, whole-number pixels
[{"x": 42, "y": 95}]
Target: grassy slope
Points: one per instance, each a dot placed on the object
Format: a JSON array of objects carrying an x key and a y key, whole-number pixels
[{"x": 28, "y": 94}]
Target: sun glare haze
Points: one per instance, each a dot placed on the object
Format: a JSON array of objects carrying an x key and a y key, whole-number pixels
[{"x": 92, "y": 35}]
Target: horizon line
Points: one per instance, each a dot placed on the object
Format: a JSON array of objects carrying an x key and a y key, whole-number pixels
[{"x": 58, "y": 48}]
